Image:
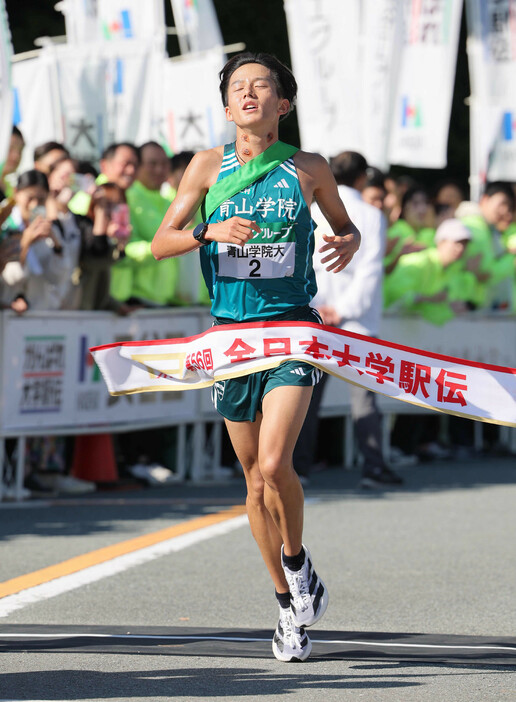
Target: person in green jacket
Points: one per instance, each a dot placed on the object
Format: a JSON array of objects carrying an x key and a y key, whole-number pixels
[
  {"x": 414, "y": 229},
  {"x": 488, "y": 256},
  {"x": 137, "y": 277},
  {"x": 431, "y": 282}
]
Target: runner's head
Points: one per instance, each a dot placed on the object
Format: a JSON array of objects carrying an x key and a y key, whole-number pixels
[{"x": 282, "y": 77}]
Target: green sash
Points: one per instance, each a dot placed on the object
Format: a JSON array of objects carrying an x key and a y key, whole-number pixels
[{"x": 239, "y": 180}]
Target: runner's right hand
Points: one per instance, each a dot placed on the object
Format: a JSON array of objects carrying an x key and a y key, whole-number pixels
[{"x": 235, "y": 230}]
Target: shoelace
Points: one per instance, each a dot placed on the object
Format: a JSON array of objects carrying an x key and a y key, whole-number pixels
[
  {"x": 291, "y": 632},
  {"x": 298, "y": 587}
]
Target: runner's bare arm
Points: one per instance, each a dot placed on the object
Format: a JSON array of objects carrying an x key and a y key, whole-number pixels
[
  {"x": 171, "y": 239},
  {"x": 317, "y": 182}
]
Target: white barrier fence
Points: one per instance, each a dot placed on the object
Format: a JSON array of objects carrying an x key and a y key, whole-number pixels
[{"x": 50, "y": 385}]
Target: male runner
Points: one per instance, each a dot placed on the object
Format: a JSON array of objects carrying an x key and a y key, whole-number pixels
[{"x": 264, "y": 412}]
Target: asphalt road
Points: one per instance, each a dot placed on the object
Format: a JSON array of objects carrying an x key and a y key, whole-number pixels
[{"x": 421, "y": 580}]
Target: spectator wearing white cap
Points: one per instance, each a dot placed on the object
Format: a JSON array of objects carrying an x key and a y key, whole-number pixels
[{"x": 433, "y": 282}]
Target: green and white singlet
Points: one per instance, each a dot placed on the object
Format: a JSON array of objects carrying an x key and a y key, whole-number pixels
[{"x": 273, "y": 273}]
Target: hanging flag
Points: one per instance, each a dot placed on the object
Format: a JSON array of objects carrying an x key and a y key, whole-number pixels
[
  {"x": 36, "y": 103},
  {"x": 81, "y": 77},
  {"x": 422, "y": 105},
  {"x": 194, "y": 120},
  {"x": 197, "y": 25},
  {"x": 80, "y": 20},
  {"x": 6, "y": 97},
  {"x": 130, "y": 89},
  {"x": 443, "y": 383},
  {"x": 324, "y": 48},
  {"x": 492, "y": 61},
  {"x": 132, "y": 19},
  {"x": 380, "y": 50}
]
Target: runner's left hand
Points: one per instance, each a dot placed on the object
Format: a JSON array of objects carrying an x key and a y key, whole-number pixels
[{"x": 341, "y": 248}]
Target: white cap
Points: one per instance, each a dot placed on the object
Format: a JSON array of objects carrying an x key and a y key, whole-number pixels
[{"x": 452, "y": 230}]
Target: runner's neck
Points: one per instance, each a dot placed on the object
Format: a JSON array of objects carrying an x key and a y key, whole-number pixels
[{"x": 249, "y": 145}]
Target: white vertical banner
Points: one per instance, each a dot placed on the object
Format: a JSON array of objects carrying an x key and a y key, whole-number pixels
[
  {"x": 37, "y": 111},
  {"x": 142, "y": 20},
  {"x": 129, "y": 90},
  {"x": 194, "y": 120},
  {"x": 197, "y": 25},
  {"x": 492, "y": 60},
  {"x": 6, "y": 97},
  {"x": 419, "y": 133},
  {"x": 324, "y": 38},
  {"x": 82, "y": 82},
  {"x": 80, "y": 20},
  {"x": 382, "y": 34}
]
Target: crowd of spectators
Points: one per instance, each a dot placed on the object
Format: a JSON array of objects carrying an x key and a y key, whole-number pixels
[{"x": 77, "y": 237}]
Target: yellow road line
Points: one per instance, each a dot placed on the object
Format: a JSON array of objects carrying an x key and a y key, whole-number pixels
[{"x": 101, "y": 555}]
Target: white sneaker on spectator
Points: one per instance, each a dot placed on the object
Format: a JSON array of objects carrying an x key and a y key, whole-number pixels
[
  {"x": 9, "y": 494},
  {"x": 69, "y": 485},
  {"x": 400, "y": 459},
  {"x": 153, "y": 473}
]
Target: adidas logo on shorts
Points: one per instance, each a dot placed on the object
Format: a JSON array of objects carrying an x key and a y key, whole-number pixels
[{"x": 314, "y": 372}]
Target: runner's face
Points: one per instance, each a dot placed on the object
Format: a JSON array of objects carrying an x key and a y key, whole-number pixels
[{"x": 253, "y": 97}]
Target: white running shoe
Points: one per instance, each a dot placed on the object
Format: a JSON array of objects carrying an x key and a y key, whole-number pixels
[
  {"x": 290, "y": 643},
  {"x": 308, "y": 593}
]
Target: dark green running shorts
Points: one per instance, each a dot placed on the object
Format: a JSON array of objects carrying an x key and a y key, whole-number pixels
[{"x": 239, "y": 399}]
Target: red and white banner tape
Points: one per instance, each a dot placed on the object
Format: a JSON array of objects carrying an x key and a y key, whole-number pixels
[{"x": 443, "y": 383}]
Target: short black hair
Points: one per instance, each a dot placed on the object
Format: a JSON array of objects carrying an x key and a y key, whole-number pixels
[
  {"x": 375, "y": 178},
  {"x": 86, "y": 168},
  {"x": 282, "y": 76},
  {"x": 446, "y": 183},
  {"x": 16, "y": 132},
  {"x": 181, "y": 160},
  {"x": 110, "y": 151},
  {"x": 150, "y": 143},
  {"x": 47, "y": 147},
  {"x": 409, "y": 194},
  {"x": 347, "y": 167},
  {"x": 500, "y": 186},
  {"x": 28, "y": 179}
]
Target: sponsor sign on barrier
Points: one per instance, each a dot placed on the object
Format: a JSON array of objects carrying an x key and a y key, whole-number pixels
[{"x": 49, "y": 378}]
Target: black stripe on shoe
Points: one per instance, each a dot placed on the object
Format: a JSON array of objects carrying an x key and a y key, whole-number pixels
[
  {"x": 318, "y": 597},
  {"x": 313, "y": 582},
  {"x": 279, "y": 642}
]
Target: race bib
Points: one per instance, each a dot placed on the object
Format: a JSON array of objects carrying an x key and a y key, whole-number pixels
[{"x": 269, "y": 254}]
